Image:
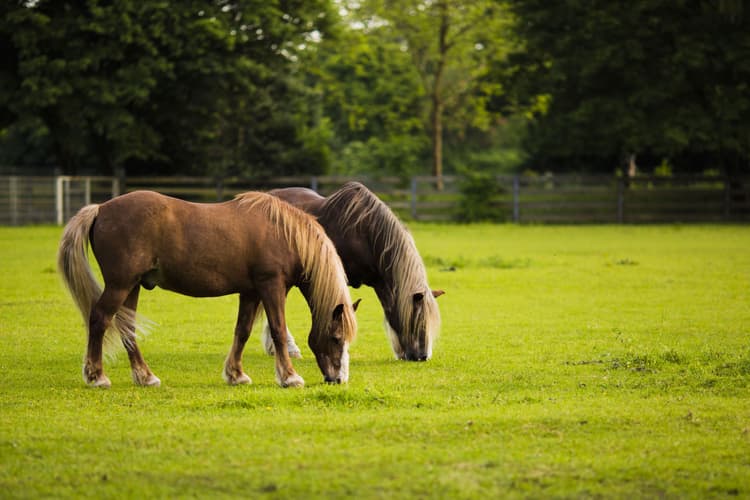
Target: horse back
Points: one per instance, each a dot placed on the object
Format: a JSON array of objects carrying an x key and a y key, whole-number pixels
[
  {"x": 302, "y": 198},
  {"x": 191, "y": 248},
  {"x": 352, "y": 241}
]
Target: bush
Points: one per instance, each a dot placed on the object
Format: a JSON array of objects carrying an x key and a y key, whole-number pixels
[{"x": 479, "y": 192}]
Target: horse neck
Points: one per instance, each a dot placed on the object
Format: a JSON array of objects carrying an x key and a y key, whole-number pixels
[
  {"x": 322, "y": 294},
  {"x": 306, "y": 290},
  {"x": 388, "y": 295},
  {"x": 396, "y": 288},
  {"x": 401, "y": 269}
]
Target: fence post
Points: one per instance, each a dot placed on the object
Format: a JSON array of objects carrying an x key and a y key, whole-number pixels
[
  {"x": 87, "y": 191},
  {"x": 727, "y": 198},
  {"x": 413, "y": 200},
  {"x": 67, "y": 202},
  {"x": 314, "y": 183},
  {"x": 13, "y": 198},
  {"x": 121, "y": 180},
  {"x": 516, "y": 199},
  {"x": 115, "y": 187},
  {"x": 59, "y": 200},
  {"x": 219, "y": 188},
  {"x": 620, "y": 200}
]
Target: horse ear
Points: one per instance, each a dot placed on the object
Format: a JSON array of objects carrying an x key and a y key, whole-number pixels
[
  {"x": 437, "y": 293},
  {"x": 356, "y": 304},
  {"x": 418, "y": 297},
  {"x": 338, "y": 311}
]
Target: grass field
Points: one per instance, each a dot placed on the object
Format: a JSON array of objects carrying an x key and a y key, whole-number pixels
[{"x": 574, "y": 362}]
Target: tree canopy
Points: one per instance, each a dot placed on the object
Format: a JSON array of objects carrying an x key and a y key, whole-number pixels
[
  {"x": 264, "y": 87},
  {"x": 370, "y": 98},
  {"x": 194, "y": 86},
  {"x": 662, "y": 80}
]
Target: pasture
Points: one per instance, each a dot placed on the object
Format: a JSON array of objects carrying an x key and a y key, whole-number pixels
[{"x": 599, "y": 361}]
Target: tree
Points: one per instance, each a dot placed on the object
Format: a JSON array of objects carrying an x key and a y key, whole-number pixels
[
  {"x": 605, "y": 81},
  {"x": 194, "y": 86},
  {"x": 450, "y": 44},
  {"x": 275, "y": 124},
  {"x": 370, "y": 95}
]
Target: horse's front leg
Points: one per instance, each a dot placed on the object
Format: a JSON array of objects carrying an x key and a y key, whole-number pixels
[
  {"x": 142, "y": 374},
  {"x": 233, "y": 373},
  {"x": 274, "y": 301}
]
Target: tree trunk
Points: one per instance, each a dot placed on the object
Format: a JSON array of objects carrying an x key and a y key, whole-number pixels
[
  {"x": 437, "y": 98},
  {"x": 65, "y": 159},
  {"x": 632, "y": 167},
  {"x": 437, "y": 140}
]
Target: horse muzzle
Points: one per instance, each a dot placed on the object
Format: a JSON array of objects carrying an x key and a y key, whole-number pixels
[
  {"x": 415, "y": 356},
  {"x": 333, "y": 375}
]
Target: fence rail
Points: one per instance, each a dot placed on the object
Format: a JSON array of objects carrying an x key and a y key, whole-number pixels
[{"x": 520, "y": 199}]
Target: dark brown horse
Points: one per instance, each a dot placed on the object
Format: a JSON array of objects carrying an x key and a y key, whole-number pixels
[
  {"x": 379, "y": 252},
  {"x": 256, "y": 246}
]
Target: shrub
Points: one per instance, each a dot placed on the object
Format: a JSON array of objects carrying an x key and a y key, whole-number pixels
[{"x": 479, "y": 192}]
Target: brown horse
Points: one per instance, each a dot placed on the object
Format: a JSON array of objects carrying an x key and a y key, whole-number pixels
[
  {"x": 255, "y": 245},
  {"x": 379, "y": 252}
]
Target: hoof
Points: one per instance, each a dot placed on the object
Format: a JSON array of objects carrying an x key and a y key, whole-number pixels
[
  {"x": 241, "y": 380},
  {"x": 152, "y": 381},
  {"x": 235, "y": 377},
  {"x": 146, "y": 379},
  {"x": 102, "y": 382},
  {"x": 293, "y": 381}
]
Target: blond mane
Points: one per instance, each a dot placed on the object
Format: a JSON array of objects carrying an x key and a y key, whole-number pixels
[
  {"x": 356, "y": 207},
  {"x": 320, "y": 262}
]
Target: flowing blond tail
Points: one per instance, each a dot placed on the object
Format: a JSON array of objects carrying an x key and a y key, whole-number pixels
[{"x": 73, "y": 265}]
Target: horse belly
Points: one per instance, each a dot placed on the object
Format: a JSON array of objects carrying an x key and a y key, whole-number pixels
[{"x": 199, "y": 281}]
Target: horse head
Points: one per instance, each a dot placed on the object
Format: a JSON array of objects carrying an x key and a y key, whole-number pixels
[
  {"x": 330, "y": 344},
  {"x": 412, "y": 325}
]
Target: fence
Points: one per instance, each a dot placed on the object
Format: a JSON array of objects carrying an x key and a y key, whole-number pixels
[
  {"x": 520, "y": 199},
  {"x": 45, "y": 200},
  {"x": 643, "y": 199}
]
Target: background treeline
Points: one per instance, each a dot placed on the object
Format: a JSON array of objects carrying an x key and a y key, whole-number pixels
[{"x": 272, "y": 87}]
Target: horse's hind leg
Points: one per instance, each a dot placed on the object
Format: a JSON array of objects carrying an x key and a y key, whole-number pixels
[
  {"x": 233, "y": 373},
  {"x": 267, "y": 341},
  {"x": 142, "y": 374},
  {"x": 274, "y": 300},
  {"x": 99, "y": 320}
]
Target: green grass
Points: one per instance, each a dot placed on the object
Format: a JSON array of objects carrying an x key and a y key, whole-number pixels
[{"x": 574, "y": 362}]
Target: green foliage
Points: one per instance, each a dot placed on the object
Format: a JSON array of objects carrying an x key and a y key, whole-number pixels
[
  {"x": 389, "y": 155},
  {"x": 482, "y": 159},
  {"x": 377, "y": 86},
  {"x": 498, "y": 150},
  {"x": 199, "y": 86},
  {"x": 248, "y": 88},
  {"x": 664, "y": 169},
  {"x": 408, "y": 75},
  {"x": 370, "y": 96},
  {"x": 478, "y": 193},
  {"x": 557, "y": 374},
  {"x": 658, "y": 79}
]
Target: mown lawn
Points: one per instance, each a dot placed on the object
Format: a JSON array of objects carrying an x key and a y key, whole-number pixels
[{"x": 574, "y": 362}]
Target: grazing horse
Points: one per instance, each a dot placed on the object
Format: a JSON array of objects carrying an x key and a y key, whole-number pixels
[
  {"x": 379, "y": 252},
  {"x": 256, "y": 246}
]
